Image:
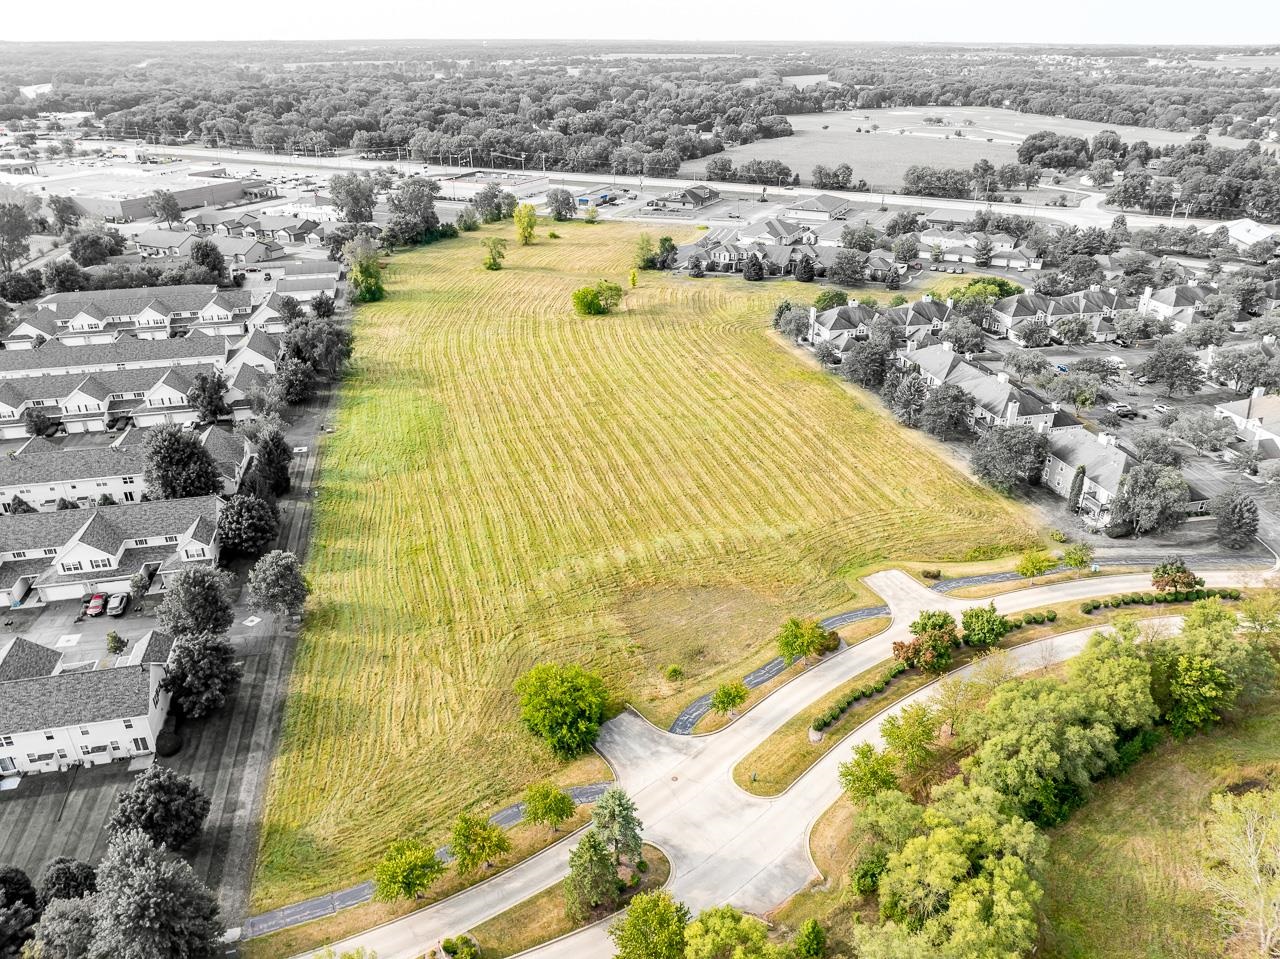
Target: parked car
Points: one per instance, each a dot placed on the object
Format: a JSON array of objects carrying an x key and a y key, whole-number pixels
[
  {"x": 266, "y": 276},
  {"x": 118, "y": 604},
  {"x": 1162, "y": 408},
  {"x": 933, "y": 268},
  {"x": 1062, "y": 368},
  {"x": 633, "y": 196},
  {"x": 1121, "y": 409},
  {"x": 97, "y": 604},
  {"x": 917, "y": 265}
]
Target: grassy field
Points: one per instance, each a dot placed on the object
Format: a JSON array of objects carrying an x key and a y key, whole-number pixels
[
  {"x": 903, "y": 139},
  {"x": 509, "y": 483},
  {"x": 1123, "y": 874}
]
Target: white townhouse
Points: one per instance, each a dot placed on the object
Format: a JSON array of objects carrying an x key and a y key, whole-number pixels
[
  {"x": 125, "y": 352},
  {"x": 1103, "y": 464},
  {"x": 56, "y": 715},
  {"x": 1178, "y": 304},
  {"x": 1257, "y": 421},
  {"x": 43, "y": 472},
  {"x": 68, "y": 554}
]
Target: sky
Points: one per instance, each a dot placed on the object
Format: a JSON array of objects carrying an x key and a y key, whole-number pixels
[{"x": 939, "y": 21}]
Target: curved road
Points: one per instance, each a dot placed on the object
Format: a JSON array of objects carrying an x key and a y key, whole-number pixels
[{"x": 724, "y": 844}]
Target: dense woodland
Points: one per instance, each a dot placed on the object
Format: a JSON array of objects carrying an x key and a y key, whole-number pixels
[{"x": 639, "y": 109}]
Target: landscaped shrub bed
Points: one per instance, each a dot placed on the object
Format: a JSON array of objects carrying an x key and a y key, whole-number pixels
[
  {"x": 1151, "y": 599},
  {"x": 832, "y": 715}
]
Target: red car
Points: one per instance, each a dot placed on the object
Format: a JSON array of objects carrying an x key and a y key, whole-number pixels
[{"x": 97, "y": 604}]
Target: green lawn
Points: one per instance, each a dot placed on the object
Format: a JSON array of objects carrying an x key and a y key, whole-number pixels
[{"x": 509, "y": 483}]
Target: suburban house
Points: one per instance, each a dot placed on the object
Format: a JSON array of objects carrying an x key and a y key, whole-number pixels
[
  {"x": 125, "y": 352},
  {"x": 1012, "y": 310},
  {"x": 99, "y": 316},
  {"x": 1178, "y": 304},
  {"x": 42, "y": 472},
  {"x": 55, "y": 715},
  {"x": 1245, "y": 232},
  {"x": 996, "y": 401},
  {"x": 925, "y": 313},
  {"x": 773, "y": 230},
  {"x": 841, "y": 325},
  {"x": 284, "y": 229},
  {"x": 687, "y": 198},
  {"x": 1105, "y": 465},
  {"x": 1097, "y": 306},
  {"x": 304, "y": 287},
  {"x": 165, "y": 242},
  {"x": 1257, "y": 421},
  {"x": 68, "y": 554},
  {"x": 824, "y": 206},
  {"x": 235, "y": 249},
  {"x": 247, "y": 249},
  {"x": 1270, "y": 295}
]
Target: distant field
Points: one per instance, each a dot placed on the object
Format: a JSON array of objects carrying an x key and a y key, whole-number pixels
[
  {"x": 509, "y": 483},
  {"x": 1122, "y": 879},
  {"x": 881, "y": 158}
]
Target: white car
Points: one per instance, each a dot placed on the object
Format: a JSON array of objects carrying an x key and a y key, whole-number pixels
[{"x": 1162, "y": 408}]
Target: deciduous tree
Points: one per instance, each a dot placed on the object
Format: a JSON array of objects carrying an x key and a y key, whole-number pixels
[
  {"x": 203, "y": 673},
  {"x": 563, "y": 705},
  {"x": 276, "y": 583},
  {"x": 169, "y": 808},
  {"x": 177, "y": 465},
  {"x": 195, "y": 601},
  {"x": 475, "y": 842},
  {"x": 406, "y": 871},
  {"x": 652, "y": 928},
  {"x": 548, "y": 805}
]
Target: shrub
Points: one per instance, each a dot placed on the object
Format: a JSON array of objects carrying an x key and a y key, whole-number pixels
[
  {"x": 553, "y": 235},
  {"x": 675, "y": 673},
  {"x": 1051, "y": 615},
  {"x": 1086, "y": 608},
  {"x": 1058, "y": 536},
  {"x": 1235, "y": 593},
  {"x": 931, "y": 573},
  {"x": 1016, "y": 622},
  {"x": 868, "y": 870}
]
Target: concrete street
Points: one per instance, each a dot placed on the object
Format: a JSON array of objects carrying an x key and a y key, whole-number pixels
[{"x": 724, "y": 844}]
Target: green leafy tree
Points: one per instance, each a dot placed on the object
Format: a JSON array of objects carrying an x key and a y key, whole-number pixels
[
  {"x": 847, "y": 269},
  {"x": 983, "y": 626},
  {"x": 1244, "y": 872},
  {"x": 206, "y": 395},
  {"x": 548, "y": 805},
  {"x": 1175, "y": 366},
  {"x": 1199, "y": 691},
  {"x": 354, "y": 195},
  {"x": 65, "y": 212},
  {"x": 910, "y": 399},
  {"x": 323, "y": 305},
  {"x": 752, "y": 268},
  {"x": 115, "y": 643},
  {"x": 909, "y": 736},
  {"x": 321, "y": 343},
  {"x": 810, "y": 941},
  {"x": 406, "y": 871},
  {"x": 203, "y": 673},
  {"x": 149, "y": 904},
  {"x": 526, "y": 221},
  {"x": 169, "y": 808},
  {"x": 66, "y": 878},
  {"x": 476, "y": 842},
  {"x": 196, "y": 601},
  {"x": 1007, "y": 455},
  {"x": 592, "y": 881},
  {"x": 800, "y": 639},
  {"x": 563, "y": 705},
  {"x": 1035, "y": 563},
  {"x": 165, "y": 206},
  {"x": 495, "y": 252},
  {"x": 829, "y": 300},
  {"x": 1237, "y": 516},
  {"x": 205, "y": 253},
  {"x": 1114, "y": 677},
  {"x": 65, "y": 930},
  {"x": 652, "y": 928},
  {"x": 728, "y": 697},
  {"x": 868, "y": 772},
  {"x": 946, "y": 411},
  {"x": 560, "y": 204},
  {"x": 1077, "y": 556},
  {"x": 277, "y": 583},
  {"x": 1151, "y": 498},
  {"x": 1173, "y": 575},
  {"x": 247, "y": 525},
  {"x": 724, "y": 931},
  {"x": 272, "y": 461},
  {"x": 614, "y": 816},
  {"x": 177, "y": 465}
]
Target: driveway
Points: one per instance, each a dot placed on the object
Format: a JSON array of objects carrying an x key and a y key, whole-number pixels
[{"x": 724, "y": 844}]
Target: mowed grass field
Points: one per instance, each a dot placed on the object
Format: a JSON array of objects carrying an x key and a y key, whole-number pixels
[
  {"x": 1123, "y": 877},
  {"x": 510, "y": 483}
]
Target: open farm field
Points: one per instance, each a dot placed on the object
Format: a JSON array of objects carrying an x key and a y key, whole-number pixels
[
  {"x": 903, "y": 139},
  {"x": 510, "y": 483},
  {"x": 1124, "y": 872}
]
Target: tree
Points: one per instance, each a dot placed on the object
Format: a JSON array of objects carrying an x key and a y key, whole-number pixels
[
  {"x": 965, "y": 335},
  {"x": 205, "y": 253},
  {"x": 526, "y": 220},
  {"x": 560, "y": 204},
  {"x": 1199, "y": 691},
  {"x": 810, "y": 941},
  {"x": 804, "y": 270},
  {"x": 934, "y": 635},
  {"x": 115, "y": 643},
  {"x": 476, "y": 842},
  {"x": 1026, "y": 364},
  {"x": 909, "y": 735},
  {"x": 652, "y": 928},
  {"x": 16, "y": 887},
  {"x": 323, "y": 306},
  {"x": 1174, "y": 365},
  {"x": 1006, "y": 455},
  {"x": 1173, "y": 575},
  {"x": 495, "y": 252},
  {"x": 150, "y": 905},
  {"x": 724, "y": 931},
  {"x": 354, "y": 196},
  {"x": 203, "y": 673},
  {"x": 248, "y": 525},
  {"x": 93, "y": 247},
  {"x": 983, "y": 626},
  {"x": 728, "y": 697},
  {"x": 1244, "y": 870},
  {"x": 21, "y": 287},
  {"x": 406, "y": 871},
  {"x": 177, "y": 465},
  {"x": 196, "y": 601},
  {"x": 16, "y": 919},
  {"x": 493, "y": 203},
  {"x": 800, "y": 639},
  {"x": 867, "y": 773},
  {"x": 592, "y": 880},
  {"x": 829, "y": 300},
  {"x": 695, "y": 267},
  {"x": 548, "y": 805},
  {"x": 752, "y": 268},
  {"x": 65, "y": 930},
  {"x": 206, "y": 394},
  {"x": 614, "y": 816},
  {"x": 364, "y": 272},
  {"x": 273, "y": 458},
  {"x": 35, "y": 422},
  {"x": 170, "y": 809},
  {"x": 847, "y": 268},
  {"x": 295, "y": 381},
  {"x": 66, "y": 878},
  {"x": 1035, "y": 563},
  {"x": 909, "y": 400},
  {"x": 65, "y": 212},
  {"x": 1077, "y": 556},
  {"x": 1034, "y": 333},
  {"x": 946, "y": 411},
  {"x": 16, "y": 229},
  {"x": 276, "y": 583},
  {"x": 646, "y": 257},
  {"x": 413, "y": 218},
  {"x": 1151, "y": 498},
  {"x": 563, "y": 705},
  {"x": 1202, "y": 430},
  {"x": 982, "y": 251},
  {"x": 165, "y": 206},
  {"x": 1237, "y": 516}
]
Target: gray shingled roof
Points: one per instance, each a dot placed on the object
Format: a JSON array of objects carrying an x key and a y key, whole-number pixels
[
  {"x": 57, "y": 387},
  {"x": 170, "y": 517},
  {"x": 22, "y": 659},
  {"x": 125, "y": 349},
  {"x": 71, "y": 699}
]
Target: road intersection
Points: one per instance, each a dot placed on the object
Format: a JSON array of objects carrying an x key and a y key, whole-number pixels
[{"x": 725, "y": 845}]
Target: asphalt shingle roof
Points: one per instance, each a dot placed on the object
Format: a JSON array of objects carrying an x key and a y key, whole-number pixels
[
  {"x": 74, "y": 698},
  {"x": 125, "y": 349},
  {"x": 22, "y": 659}
]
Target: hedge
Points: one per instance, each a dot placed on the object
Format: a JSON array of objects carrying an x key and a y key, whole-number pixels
[
  {"x": 1148, "y": 599},
  {"x": 842, "y": 705}
]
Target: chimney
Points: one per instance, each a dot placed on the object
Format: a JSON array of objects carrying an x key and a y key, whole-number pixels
[
  {"x": 950, "y": 302},
  {"x": 949, "y": 346},
  {"x": 927, "y": 298},
  {"x": 1056, "y": 406},
  {"x": 813, "y": 313},
  {"x": 1106, "y": 439},
  {"x": 1003, "y": 376},
  {"x": 1258, "y": 391},
  {"x": 1095, "y": 288}
]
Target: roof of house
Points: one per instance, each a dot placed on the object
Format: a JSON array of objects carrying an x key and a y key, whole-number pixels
[
  {"x": 308, "y": 282},
  {"x": 1022, "y": 305},
  {"x": 21, "y": 659},
  {"x": 57, "y": 387},
  {"x": 166, "y": 517},
  {"x": 1104, "y": 463},
  {"x": 774, "y": 227},
  {"x": 124, "y": 349},
  {"x": 133, "y": 300},
  {"x": 848, "y": 317},
  {"x": 312, "y": 268},
  {"x": 822, "y": 203},
  {"x": 74, "y": 698},
  {"x": 240, "y": 245},
  {"x": 1089, "y": 301},
  {"x": 1263, "y": 410},
  {"x": 1181, "y": 295}
]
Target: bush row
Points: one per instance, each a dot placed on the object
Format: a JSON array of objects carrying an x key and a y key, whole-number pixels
[
  {"x": 1031, "y": 619},
  {"x": 832, "y": 715},
  {"x": 1148, "y": 599}
]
